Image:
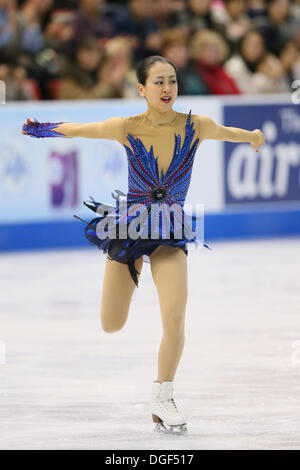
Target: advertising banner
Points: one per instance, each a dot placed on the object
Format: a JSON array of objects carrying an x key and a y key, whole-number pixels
[{"x": 271, "y": 175}]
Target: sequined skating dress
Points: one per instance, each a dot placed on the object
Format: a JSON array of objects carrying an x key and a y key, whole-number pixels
[{"x": 149, "y": 189}]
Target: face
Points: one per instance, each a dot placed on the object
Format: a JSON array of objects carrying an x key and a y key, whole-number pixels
[
  {"x": 91, "y": 4},
  {"x": 161, "y": 81},
  {"x": 199, "y": 7},
  {"x": 289, "y": 54},
  {"x": 253, "y": 47},
  {"x": 122, "y": 55},
  {"x": 140, "y": 8},
  {"x": 88, "y": 58},
  {"x": 177, "y": 53},
  {"x": 210, "y": 54},
  {"x": 161, "y": 7},
  {"x": 43, "y": 5},
  {"x": 278, "y": 10},
  {"x": 236, "y": 8}
]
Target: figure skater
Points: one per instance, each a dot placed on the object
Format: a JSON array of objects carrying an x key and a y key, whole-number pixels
[{"x": 160, "y": 145}]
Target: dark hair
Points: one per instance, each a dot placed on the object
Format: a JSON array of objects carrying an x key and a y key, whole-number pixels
[
  {"x": 144, "y": 65},
  {"x": 284, "y": 44},
  {"x": 251, "y": 30}
]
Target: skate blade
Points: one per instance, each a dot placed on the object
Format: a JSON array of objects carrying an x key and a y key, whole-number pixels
[{"x": 179, "y": 429}]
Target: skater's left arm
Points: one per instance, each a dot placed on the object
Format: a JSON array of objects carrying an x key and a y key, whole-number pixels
[{"x": 209, "y": 129}]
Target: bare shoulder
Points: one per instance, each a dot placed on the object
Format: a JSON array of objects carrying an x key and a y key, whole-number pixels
[
  {"x": 204, "y": 125},
  {"x": 202, "y": 118},
  {"x": 133, "y": 124},
  {"x": 136, "y": 119},
  {"x": 112, "y": 129}
]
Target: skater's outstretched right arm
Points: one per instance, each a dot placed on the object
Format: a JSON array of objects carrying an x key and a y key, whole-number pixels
[{"x": 112, "y": 129}]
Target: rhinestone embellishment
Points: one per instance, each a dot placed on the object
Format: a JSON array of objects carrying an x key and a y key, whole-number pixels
[{"x": 158, "y": 194}]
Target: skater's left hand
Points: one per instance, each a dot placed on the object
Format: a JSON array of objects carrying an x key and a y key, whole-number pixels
[{"x": 260, "y": 139}]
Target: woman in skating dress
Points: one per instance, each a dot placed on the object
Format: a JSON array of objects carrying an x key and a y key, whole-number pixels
[{"x": 160, "y": 145}]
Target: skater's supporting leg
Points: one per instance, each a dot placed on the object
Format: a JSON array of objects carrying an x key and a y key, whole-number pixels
[
  {"x": 115, "y": 308},
  {"x": 169, "y": 272}
]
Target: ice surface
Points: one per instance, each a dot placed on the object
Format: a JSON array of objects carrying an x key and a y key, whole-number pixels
[{"x": 67, "y": 384}]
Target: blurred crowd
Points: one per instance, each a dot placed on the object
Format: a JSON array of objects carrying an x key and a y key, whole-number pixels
[{"x": 87, "y": 49}]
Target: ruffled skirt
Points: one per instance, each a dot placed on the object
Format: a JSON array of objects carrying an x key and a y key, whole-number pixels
[{"x": 104, "y": 232}]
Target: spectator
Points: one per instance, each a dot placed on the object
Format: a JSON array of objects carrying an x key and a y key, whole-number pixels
[
  {"x": 196, "y": 16},
  {"x": 248, "y": 66},
  {"x": 8, "y": 16},
  {"x": 175, "y": 48},
  {"x": 295, "y": 13},
  {"x": 18, "y": 86},
  {"x": 84, "y": 77},
  {"x": 277, "y": 25},
  {"x": 118, "y": 54},
  {"x": 177, "y": 15},
  {"x": 208, "y": 51},
  {"x": 258, "y": 39},
  {"x": 140, "y": 26},
  {"x": 295, "y": 9},
  {"x": 60, "y": 31},
  {"x": 59, "y": 44},
  {"x": 28, "y": 39},
  {"x": 31, "y": 20},
  {"x": 21, "y": 30},
  {"x": 162, "y": 13},
  {"x": 91, "y": 20},
  {"x": 234, "y": 22},
  {"x": 290, "y": 61},
  {"x": 199, "y": 15},
  {"x": 256, "y": 8}
]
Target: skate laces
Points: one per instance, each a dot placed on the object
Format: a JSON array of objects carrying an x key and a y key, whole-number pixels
[
  {"x": 169, "y": 403},
  {"x": 166, "y": 399},
  {"x": 173, "y": 402}
]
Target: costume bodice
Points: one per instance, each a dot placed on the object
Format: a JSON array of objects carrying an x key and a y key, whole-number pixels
[{"x": 146, "y": 185}]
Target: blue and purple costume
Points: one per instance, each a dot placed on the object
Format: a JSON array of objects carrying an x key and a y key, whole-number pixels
[{"x": 147, "y": 190}]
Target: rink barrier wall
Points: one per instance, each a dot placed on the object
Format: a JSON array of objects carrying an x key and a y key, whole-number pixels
[{"x": 217, "y": 227}]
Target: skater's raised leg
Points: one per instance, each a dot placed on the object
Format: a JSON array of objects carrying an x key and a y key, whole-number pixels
[
  {"x": 114, "y": 308},
  {"x": 169, "y": 272}
]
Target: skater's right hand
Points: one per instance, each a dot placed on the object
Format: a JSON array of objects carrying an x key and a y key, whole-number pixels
[
  {"x": 27, "y": 122},
  {"x": 34, "y": 128}
]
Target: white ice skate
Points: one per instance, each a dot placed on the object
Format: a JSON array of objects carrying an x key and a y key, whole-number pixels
[{"x": 164, "y": 410}]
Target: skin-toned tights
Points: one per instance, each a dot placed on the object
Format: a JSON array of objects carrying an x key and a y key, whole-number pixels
[{"x": 169, "y": 273}]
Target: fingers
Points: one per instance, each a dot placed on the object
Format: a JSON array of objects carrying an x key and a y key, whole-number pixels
[
  {"x": 28, "y": 121},
  {"x": 261, "y": 138}
]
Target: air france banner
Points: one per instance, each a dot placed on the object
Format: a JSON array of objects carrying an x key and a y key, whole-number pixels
[{"x": 273, "y": 173}]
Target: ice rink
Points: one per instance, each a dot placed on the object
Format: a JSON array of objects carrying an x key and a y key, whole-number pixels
[{"x": 66, "y": 384}]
